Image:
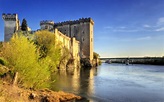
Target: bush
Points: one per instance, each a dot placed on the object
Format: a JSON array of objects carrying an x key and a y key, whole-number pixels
[
  {"x": 3, "y": 61},
  {"x": 49, "y": 48},
  {"x": 23, "y": 57}
]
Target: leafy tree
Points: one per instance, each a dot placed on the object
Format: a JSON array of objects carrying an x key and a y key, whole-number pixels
[
  {"x": 24, "y": 25},
  {"x": 49, "y": 48},
  {"x": 95, "y": 55},
  {"x": 22, "y": 57}
]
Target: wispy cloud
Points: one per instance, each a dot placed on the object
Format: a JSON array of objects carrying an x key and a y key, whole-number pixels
[
  {"x": 106, "y": 38},
  {"x": 146, "y": 26},
  {"x": 122, "y": 27},
  {"x": 125, "y": 30},
  {"x": 159, "y": 26},
  {"x": 144, "y": 38},
  {"x": 160, "y": 21},
  {"x": 160, "y": 29},
  {"x": 108, "y": 27},
  {"x": 156, "y": 27},
  {"x": 136, "y": 39}
]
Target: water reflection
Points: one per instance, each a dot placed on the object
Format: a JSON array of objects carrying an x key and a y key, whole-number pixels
[
  {"x": 114, "y": 83},
  {"x": 78, "y": 81}
]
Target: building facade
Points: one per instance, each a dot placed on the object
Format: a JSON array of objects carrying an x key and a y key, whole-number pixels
[{"x": 82, "y": 30}]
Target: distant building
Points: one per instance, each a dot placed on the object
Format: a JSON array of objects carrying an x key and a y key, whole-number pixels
[{"x": 76, "y": 35}]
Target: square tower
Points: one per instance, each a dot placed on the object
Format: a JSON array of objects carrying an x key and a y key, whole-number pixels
[
  {"x": 11, "y": 25},
  {"x": 82, "y": 30}
]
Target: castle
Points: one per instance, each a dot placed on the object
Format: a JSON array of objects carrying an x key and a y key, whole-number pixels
[{"x": 77, "y": 35}]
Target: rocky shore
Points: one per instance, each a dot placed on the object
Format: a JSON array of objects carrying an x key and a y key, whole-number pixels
[{"x": 10, "y": 93}]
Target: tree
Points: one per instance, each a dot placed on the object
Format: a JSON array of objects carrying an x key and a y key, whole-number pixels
[
  {"x": 49, "y": 48},
  {"x": 22, "y": 57},
  {"x": 95, "y": 55},
  {"x": 24, "y": 25}
]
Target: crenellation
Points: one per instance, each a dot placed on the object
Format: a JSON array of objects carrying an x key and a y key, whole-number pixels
[
  {"x": 80, "y": 20},
  {"x": 10, "y": 17},
  {"x": 50, "y": 22}
]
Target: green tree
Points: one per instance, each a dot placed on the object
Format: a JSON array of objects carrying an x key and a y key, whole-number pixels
[
  {"x": 95, "y": 55},
  {"x": 22, "y": 57},
  {"x": 24, "y": 25},
  {"x": 49, "y": 48}
]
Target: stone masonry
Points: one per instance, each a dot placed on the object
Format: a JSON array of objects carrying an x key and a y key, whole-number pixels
[{"x": 11, "y": 25}]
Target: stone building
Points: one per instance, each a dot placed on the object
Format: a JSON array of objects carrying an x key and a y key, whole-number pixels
[
  {"x": 71, "y": 44},
  {"x": 79, "y": 33},
  {"x": 11, "y": 25},
  {"x": 82, "y": 30}
]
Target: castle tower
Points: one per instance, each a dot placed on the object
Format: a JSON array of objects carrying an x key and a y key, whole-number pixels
[
  {"x": 82, "y": 30},
  {"x": 47, "y": 25},
  {"x": 85, "y": 36},
  {"x": 11, "y": 25}
]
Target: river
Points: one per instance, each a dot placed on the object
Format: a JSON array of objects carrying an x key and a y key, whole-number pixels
[{"x": 114, "y": 83}]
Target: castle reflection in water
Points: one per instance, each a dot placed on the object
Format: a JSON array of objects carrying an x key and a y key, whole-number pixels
[{"x": 77, "y": 81}]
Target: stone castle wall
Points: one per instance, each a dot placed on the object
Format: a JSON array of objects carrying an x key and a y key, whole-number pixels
[
  {"x": 82, "y": 30},
  {"x": 71, "y": 44},
  {"x": 11, "y": 25}
]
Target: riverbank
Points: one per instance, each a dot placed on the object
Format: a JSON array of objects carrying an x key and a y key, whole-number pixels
[{"x": 10, "y": 93}]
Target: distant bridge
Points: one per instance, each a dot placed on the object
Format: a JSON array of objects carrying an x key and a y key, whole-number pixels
[{"x": 137, "y": 60}]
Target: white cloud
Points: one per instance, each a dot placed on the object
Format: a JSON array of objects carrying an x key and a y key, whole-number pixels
[
  {"x": 123, "y": 27},
  {"x": 160, "y": 29},
  {"x": 136, "y": 39},
  {"x": 125, "y": 30},
  {"x": 160, "y": 21},
  {"x": 146, "y": 26},
  {"x": 108, "y": 27},
  {"x": 144, "y": 38}
]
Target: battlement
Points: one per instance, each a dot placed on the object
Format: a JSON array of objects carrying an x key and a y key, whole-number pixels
[
  {"x": 10, "y": 17},
  {"x": 47, "y": 22},
  {"x": 81, "y": 20}
]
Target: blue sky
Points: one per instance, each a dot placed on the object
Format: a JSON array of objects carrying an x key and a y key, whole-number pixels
[{"x": 123, "y": 28}]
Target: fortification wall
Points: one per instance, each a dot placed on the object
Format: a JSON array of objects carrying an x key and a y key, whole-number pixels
[
  {"x": 63, "y": 38},
  {"x": 82, "y": 30},
  {"x": 71, "y": 43},
  {"x": 75, "y": 49}
]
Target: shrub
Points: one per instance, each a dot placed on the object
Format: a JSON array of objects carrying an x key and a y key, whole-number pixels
[
  {"x": 23, "y": 57},
  {"x": 3, "y": 61},
  {"x": 49, "y": 48}
]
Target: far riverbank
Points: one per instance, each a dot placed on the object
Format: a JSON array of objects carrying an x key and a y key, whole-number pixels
[{"x": 136, "y": 60}]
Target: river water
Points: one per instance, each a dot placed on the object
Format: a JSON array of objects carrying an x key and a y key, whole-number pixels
[{"x": 114, "y": 83}]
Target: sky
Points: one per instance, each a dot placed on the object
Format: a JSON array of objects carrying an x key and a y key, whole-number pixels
[{"x": 122, "y": 28}]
